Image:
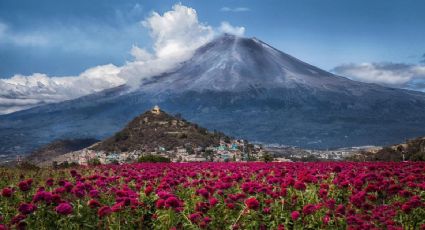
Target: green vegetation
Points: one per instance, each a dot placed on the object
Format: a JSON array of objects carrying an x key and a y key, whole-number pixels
[
  {"x": 93, "y": 162},
  {"x": 153, "y": 159},
  {"x": 412, "y": 150},
  {"x": 267, "y": 157}
]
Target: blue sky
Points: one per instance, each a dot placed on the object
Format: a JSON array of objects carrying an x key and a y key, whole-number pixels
[
  {"x": 322, "y": 32},
  {"x": 98, "y": 44}
]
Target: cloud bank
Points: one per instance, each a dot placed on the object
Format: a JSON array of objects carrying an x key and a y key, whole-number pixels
[
  {"x": 399, "y": 75},
  {"x": 175, "y": 35}
]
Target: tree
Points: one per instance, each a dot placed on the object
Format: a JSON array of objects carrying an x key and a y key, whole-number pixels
[
  {"x": 121, "y": 136},
  {"x": 267, "y": 157},
  {"x": 153, "y": 159},
  {"x": 94, "y": 161},
  {"x": 189, "y": 150}
]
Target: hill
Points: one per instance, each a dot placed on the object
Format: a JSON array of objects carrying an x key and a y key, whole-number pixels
[
  {"x": 57, "y": 148},
  {"x": 411, "y": 150},
  {"x": 155, "y": 128}
]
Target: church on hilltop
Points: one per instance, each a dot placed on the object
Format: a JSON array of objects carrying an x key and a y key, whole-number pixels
[{"x": 156, "y": 110}]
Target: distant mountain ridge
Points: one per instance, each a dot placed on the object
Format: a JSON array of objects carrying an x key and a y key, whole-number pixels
[
  {"x": 244, "y": 88},
  {"x": 57, "y": 148}
]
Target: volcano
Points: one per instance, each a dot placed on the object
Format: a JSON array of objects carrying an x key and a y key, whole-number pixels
[{"x": 242, "y": 87}]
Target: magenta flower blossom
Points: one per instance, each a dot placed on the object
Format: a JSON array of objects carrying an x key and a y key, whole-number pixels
[
  {"x": 213, "y": 201},
  {"x": 309, "y": 209},
  {"x": 104, "y": 211},
  {"x": 24, "y": 185},
  {"x": 172, "y": 202},
  {"x": 252, "y": 203},
  {"x": 299, "y": 186},
  {"x": 26, "y": 208},
  {"x": 49, "y": 182},
  {"x": 295, "y": 215},
  {"x": 93, "y": 203},
  {"x": 7, "y": 192},
  {"x": 64, "y": 209}
]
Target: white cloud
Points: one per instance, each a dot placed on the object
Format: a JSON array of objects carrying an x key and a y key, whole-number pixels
[
  {"x": 176, "y": 34},
  {"x": 236, "y": 9},
  {"x": 21, "y": 92},
  {"x": 140, "y": 54},
  {"x": 225, "y": 27},
  {"x": 389, "y": 74}
]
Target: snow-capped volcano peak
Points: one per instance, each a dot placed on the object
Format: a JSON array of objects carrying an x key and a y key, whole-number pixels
[{"x": 230, "y": 63}]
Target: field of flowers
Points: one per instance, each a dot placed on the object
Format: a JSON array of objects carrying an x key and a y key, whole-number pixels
[{"x": 216, "y": 196}]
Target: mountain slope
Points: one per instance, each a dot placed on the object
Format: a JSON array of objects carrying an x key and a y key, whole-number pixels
[
  {"x": 152, "y": 129},
  {"x": 57, "y": 148},
  {"x": 243, "y": 87}
]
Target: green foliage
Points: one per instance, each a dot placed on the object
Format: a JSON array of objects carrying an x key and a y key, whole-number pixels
[
  {"x": 94, "y": 161},
  {"x": 190, "y": 150},
  {"x": 27, "y": 166},
  {"x": 63, "y": 165},
  {"x": 153, "y": 159},
  {"x": 120, "y": 136},
  {"x": 267, "y": 157}
]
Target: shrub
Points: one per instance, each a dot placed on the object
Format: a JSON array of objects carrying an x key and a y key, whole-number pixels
[
  {"x": 153, "y": 159},
  {"x": 94, "y": 161}
]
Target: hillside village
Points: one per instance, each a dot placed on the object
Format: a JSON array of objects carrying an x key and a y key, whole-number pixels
[
  {"x": 156, "y": 133},
  {"x": 160, "y": 134}
]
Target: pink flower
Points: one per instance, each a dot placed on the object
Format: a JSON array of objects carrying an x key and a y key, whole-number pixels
[
  {"x": 160, "y": 203},
  {"x": 309, "y": 209},
  {"x": 340, "y": 210},
  {"x": 42, "y": 196},
  {"x": 49, "y": 182},
  {"x": 194, "y": 217},
  {"x": 64, "y": 209},
  {"x": 172, "y": 202},
  {"x": 26, "y": 208},
  {"x": 252, "y": 203},
  {"x": 203, "y": 192},
  {"x": 94, "y": 193},
  {"x": 104, "y": 211},
  {"x": 93, "y": 203},
  {"x": 118, "y": 207},
  {"x": 295, "y": 215},
  {"x": 213, "y": 201},
  {"x": 299, "y": 186},
  {"x": 17, "y": 219},
  {"x": 24, "y": 185},
  {"x": 326, "y": 219},
  {"x": 6, "y": 192},
  {"x": 148, "y": 190}
]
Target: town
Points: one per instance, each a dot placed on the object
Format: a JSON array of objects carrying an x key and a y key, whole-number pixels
[{"x": 234, "y": 151}]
